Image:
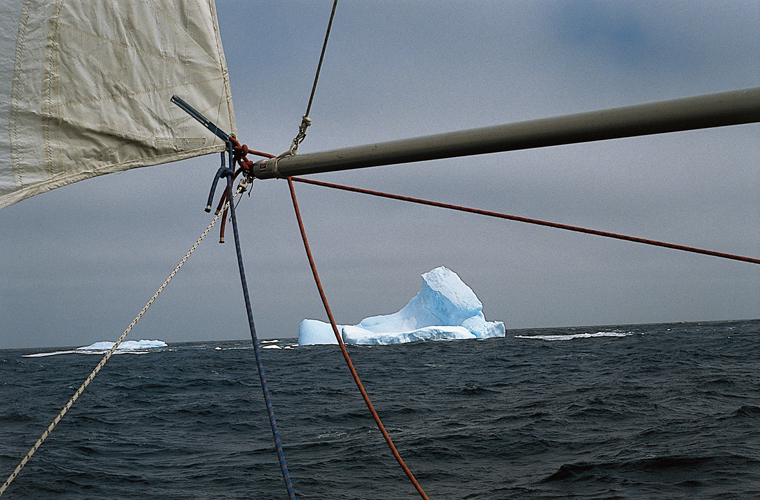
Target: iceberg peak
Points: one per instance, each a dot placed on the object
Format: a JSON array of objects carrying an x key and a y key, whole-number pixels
[{"x": 444, "y": 309}]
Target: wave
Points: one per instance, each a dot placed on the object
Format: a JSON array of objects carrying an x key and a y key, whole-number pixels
[
  {"x": 747, "y": 411},
  {"x": 127, "y": 347},
  {"x": 676, "y": 469},
  {"x": 573, "y": 336}
]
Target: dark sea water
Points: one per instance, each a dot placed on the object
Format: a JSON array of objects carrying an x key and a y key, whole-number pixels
[{"x": 628, "y": 412}]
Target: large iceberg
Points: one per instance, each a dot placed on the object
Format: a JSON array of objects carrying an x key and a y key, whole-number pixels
[{"x": 444, "y": 309}]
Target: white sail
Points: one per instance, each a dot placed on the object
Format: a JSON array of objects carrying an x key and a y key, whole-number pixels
[{"x": 85, "y": 88}]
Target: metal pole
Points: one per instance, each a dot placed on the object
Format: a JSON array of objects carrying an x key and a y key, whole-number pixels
[
  {"x": 706, "y": 111},
  {"x": 202, "y": 119}
]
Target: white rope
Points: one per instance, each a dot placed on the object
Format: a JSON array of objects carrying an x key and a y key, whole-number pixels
[{"x": 104, "y": 360}]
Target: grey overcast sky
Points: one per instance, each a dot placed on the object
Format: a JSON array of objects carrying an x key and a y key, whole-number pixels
[{"x": 81, "y": 261}]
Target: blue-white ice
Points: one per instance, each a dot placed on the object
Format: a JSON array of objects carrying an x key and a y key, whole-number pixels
[
  {"x": 444, "y": 309},
  {"x": 126, "y": 347}
]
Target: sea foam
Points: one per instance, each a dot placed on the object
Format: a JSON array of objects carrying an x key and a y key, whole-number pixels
[{"x": 573, "y": 336}]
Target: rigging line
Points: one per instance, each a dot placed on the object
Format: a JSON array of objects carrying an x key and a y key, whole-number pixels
[
  {"x": 345, "y": 352},
  {"x": 305, "y": 120},
  {"x": 321, "y": 57},
  {"x": 103, "y": 361},
  {"x": 538, "y": 222},
  {"x": 255, "y": 340}
]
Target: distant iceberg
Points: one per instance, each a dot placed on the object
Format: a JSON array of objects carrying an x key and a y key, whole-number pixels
[
  {"x": 444, "y": 309},
  {"x": 126, "y": 347}
]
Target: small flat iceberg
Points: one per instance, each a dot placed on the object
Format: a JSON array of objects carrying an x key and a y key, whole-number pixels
[
  {"x": 444, "y": 309},
  {"x": 126, "y": 347}
]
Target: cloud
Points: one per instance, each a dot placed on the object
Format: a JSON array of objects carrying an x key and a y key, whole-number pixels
[{"x": 80, "y": 262}]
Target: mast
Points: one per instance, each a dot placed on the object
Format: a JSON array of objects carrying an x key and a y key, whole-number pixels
[{"x": 706, "y": 111}]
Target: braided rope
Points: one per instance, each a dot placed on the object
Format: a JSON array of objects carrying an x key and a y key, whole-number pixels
[
  {"x": 256, "y": 345},
  {"x": 538, "y": 222},
  {"x": 343, "y": 349},
  {"x": 103, "y": 361}
]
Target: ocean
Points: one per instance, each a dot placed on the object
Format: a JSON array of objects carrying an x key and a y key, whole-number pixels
[{"x": 621, "y": 412}]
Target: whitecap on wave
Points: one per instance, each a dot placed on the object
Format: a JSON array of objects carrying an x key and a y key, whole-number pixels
[{"x": 574, "y": 336}]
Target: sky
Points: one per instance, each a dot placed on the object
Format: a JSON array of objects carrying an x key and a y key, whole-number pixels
[{"x": 78, "y": 263}]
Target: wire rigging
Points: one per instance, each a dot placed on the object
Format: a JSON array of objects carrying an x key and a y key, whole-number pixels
[{"x": 305, "y": 119}]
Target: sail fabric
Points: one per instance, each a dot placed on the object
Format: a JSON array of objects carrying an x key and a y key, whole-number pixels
[{"x": 86, "y": 86}]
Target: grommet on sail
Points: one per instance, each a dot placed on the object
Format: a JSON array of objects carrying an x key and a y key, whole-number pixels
[{"x": 85, "y": 88}]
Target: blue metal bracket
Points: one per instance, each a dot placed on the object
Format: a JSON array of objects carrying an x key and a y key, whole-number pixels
[{"x": 202, "y": 119}]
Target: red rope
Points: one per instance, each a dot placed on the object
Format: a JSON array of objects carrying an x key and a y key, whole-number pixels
[
  {"x": 242, "y": 150},
  {"x": 345, "y": 352},
  {"x": 532, "y": 221}
]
